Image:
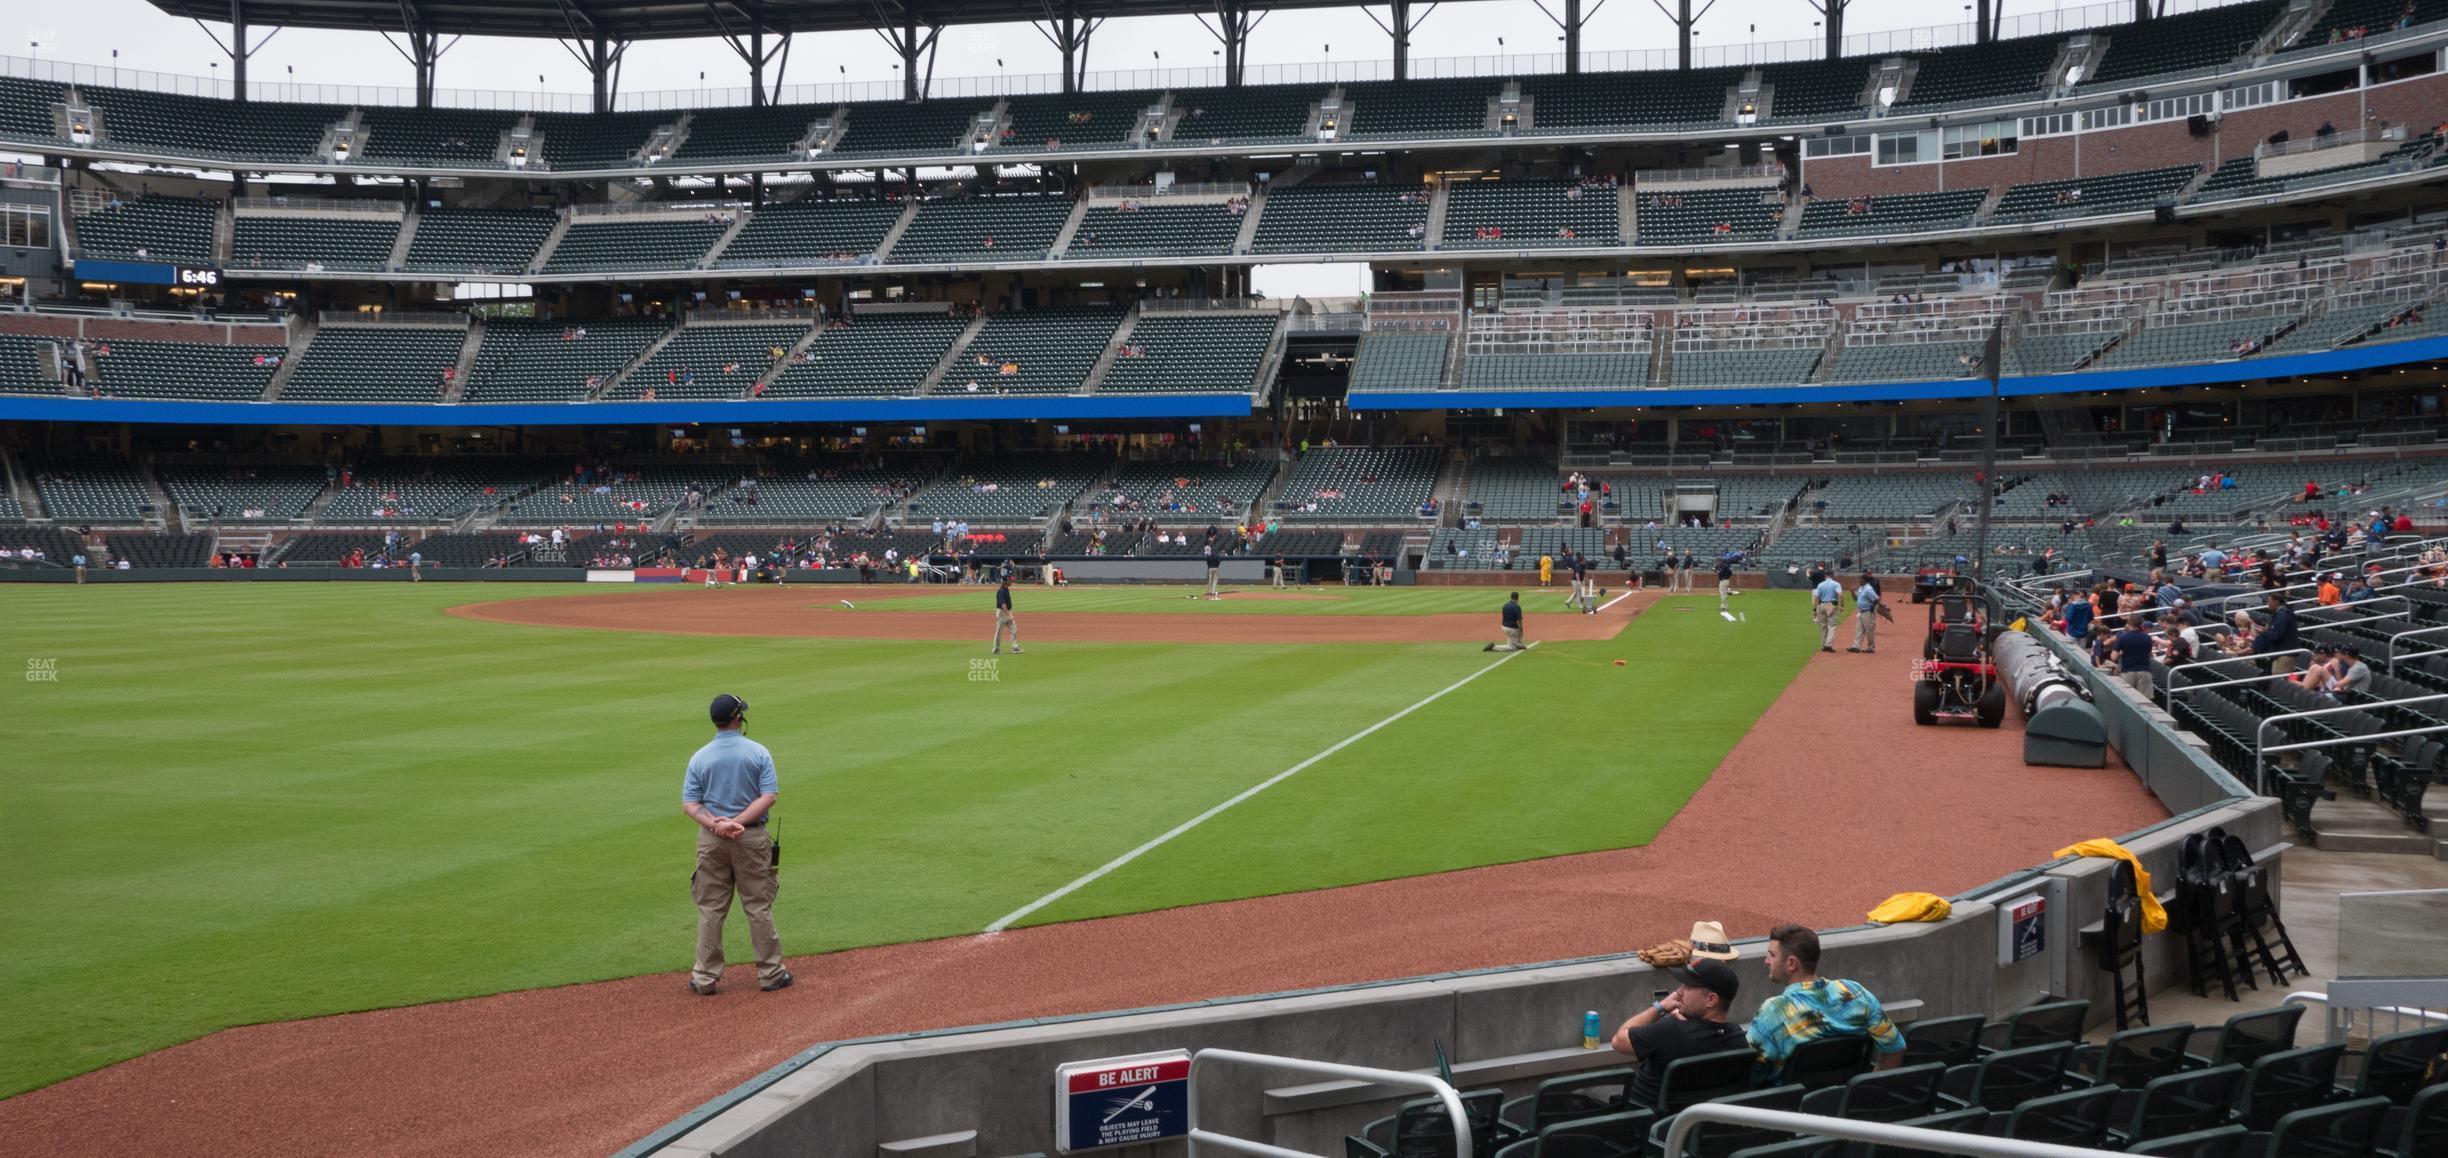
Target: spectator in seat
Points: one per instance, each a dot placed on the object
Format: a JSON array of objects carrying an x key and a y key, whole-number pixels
[
  {"x": 2278, "y": 635},
  {"x": 1688, "y": 1022},
  {"x": 1812, "y": 1007}
]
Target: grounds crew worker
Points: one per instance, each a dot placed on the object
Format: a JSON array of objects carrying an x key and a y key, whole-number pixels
[
  {"x": 1827, "y": 604},
  {"x": 1511, "y": 617},
  {"x": 1866, "y": 609},
  {"x": 1725, "y": 576},
  {"x": 1003, "y": 616},
  {"x": 729, "y": 790}
]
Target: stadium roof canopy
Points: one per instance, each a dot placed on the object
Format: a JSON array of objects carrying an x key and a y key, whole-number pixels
[{"x": 632, "y": 20}]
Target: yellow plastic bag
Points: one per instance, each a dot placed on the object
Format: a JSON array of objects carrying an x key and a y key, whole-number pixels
[
  {"x": 1904, "y": 907},
  {"x": 2154, "y": 914}
]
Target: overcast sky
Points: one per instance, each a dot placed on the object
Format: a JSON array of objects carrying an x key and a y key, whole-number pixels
[{"x": 145, "y": 38}]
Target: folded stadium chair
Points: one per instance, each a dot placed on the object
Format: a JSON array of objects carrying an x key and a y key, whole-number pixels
[
  {"x": 1719, "y": 1140},
  {"x": 1946, "y": 1040},
  {"x": 2425, "y": 1129},
  {"x": 2394, "y": 1066},
  {"x": 2008, "y": 1078},
  {"x": 2216, "y": 1142},
  {"x": 1570, "y": 1097},
  {"x": 2248, "y": 1037},
  {"x": 2042, "y": 1024},
  {"x": 2344, "y": 1130},
  {"x": 1692, "y": 1080},
  {"x": 1968, "y": 1121},
  {"x": 1603, "y": 1136},
  {"x": 1881, "y": 1096},
  {"x": 1828, "y": 1061},
  {"x": 2073, "y": 1118},
  {"x": 1421, "y": 1129},
  {"x": 2287, "y": 1081},
  {"x": 2131, "y": 1059},
  {"x": 2177, "y": 1104}
]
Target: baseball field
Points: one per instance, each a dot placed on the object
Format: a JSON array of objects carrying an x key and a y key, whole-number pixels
[{"x": 241, "y": 803}]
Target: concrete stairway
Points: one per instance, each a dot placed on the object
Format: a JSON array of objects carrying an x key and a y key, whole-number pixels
[
  {"x": 643, "y": 357},
  {"x": 552, "y": 241},
  {"x": 1113, "y": 350},
  {"x": 467, "y": 361},
  {"x": 299, "y": 339},
  {"x": 407, "y": 236},
  {"x": 892, "y": 236},
  {"x": 951, "y": 358},
  {"x": 1433, "y": 233},
  {"x": 739, "y": 221},
  {"x": 2353, "y": 824}
]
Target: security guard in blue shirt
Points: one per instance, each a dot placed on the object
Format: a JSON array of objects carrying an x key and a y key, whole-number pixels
[{"x": 730, "y": 791}]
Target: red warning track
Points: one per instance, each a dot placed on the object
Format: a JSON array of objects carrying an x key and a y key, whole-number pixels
[
  {"x": 817, "y": 613},
  {"x": 1833, "y": 801}
]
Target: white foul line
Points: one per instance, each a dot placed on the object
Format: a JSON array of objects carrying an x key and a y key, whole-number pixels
[
  {"x": 1612, "y": 602},
  {"x": 1202, "y": 818}
]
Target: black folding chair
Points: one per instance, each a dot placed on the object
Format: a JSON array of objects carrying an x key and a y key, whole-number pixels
[
  {"x": 2129, "y": 1060},
  {"x": 1571, "y": 1096},
  {"x": 2395, "y": 1065},
  {"x": 2248, "y": 1037},
  {"x": 2008, "y": 1078},
  {"x": 1692, "y": 1080},
  {"x": 2217, "y": 1142},
  {"x": 1882, "y": 1096},
  {"x": 1823, "y": 1062}
]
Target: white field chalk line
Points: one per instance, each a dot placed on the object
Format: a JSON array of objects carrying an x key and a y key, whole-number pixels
[{"x": 1202, "y": 818}]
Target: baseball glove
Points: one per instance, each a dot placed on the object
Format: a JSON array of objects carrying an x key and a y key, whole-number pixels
[{"x": 1667, "y": 954}]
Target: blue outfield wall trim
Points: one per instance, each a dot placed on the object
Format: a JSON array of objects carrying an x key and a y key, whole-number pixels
[
  {"x": 2143, "y": 378},
  {"x": 724, "y": 412}
]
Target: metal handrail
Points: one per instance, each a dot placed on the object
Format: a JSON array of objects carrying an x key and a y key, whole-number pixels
[
  {"x": 1883, "y": 1133},
  {"x": 2230, "y": 659},
  {"x": 2390, "y": 656},
  {"x": 1444, "y": 1093},
  {"x": 2261, "y": 733},
  {"x": 2264, "y": 677}
]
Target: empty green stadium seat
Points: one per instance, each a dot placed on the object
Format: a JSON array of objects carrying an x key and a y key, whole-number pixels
[
  {"x": 1395, "y": 361},
  {"x": 167, "y": 229},
  {"x": 1019, "y": 227},
  {"x": 1530, "y": 214},
  {"x": 1343, "y": 218},
  {"x": 554, "y": 360},
  {"x": 1154, "y": 229},
  {"x": 143, "y": 368},
  {"x": 623, "y": 243},
  {"x": 810, "y": 231},
  {"x": 1192, "y": 352},
  {"x": 388, "y": 363},
  {"x": 710, "y": 360},
  {"x": 478, "y": 240},
  {"x": 352, "y": 242},
  {"x": 871, "y": 354},
  {"x": 1047, "y": 351}
]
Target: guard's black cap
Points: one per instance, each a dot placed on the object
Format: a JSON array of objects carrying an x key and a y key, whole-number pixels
[
  {"x": 1710, "y": 974},
  {"x": 727, "y": 707}
]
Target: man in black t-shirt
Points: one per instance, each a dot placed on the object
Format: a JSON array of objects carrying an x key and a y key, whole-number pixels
[
  {"x": 1510, "y": 618},
  {"x": 1688, "y": 1022},
  {"x": 1214, "y": 563},
  {"x": 1725, "y": 580}
]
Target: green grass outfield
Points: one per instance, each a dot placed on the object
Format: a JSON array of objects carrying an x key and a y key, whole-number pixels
[{"x": 255, "y": 802}]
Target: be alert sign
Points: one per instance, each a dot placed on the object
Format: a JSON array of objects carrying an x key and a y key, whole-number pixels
[{"x": 1117, "y": 1101}]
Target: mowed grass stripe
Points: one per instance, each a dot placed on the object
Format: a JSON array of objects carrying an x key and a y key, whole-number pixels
[
  {"x": 1559, "y": 753},
  {"x": 245, "y": 803}
]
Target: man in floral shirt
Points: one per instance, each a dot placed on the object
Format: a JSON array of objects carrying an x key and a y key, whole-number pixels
[{"x": 1813, "y": 1007}]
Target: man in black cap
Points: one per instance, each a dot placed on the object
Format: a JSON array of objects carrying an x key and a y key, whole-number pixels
[
  {"x": 729, "y": 790},
  {"x": 1688, "y": 1022}
]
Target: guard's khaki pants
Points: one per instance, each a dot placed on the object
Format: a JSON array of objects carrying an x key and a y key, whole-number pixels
[
  {"x": 744, "y": 866},
  {"x": 1279, "y": 575},
  {"x": 1725, "y": 590},
  {"x": 1865, "y": 628},
  {"x": 1513, "y": 639},
  {"x": 1003, "y": 623},
  {"x": 1213, "y": 575},
  {"x": 1825, "y": 614}
]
